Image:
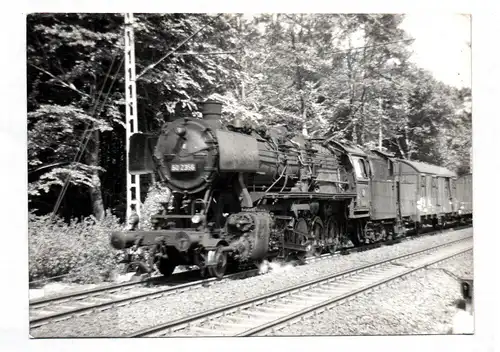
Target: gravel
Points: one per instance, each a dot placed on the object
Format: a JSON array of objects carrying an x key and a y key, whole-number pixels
[
  {"x": 462, "y": 268},
  {"x": 58, "y": 288},
  {"x": 125, "y": 320},
  {"x": 52, "y": 289},
  {"x": 421, "y": 303}
]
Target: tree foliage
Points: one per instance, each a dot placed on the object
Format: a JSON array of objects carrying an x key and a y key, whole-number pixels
[{"x": 342, "y": 75}]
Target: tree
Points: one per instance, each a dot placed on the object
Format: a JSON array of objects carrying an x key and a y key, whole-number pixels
[
  {"x": 341, "y": 75},
  {"x": 75, "y": 62},
  {"x": 70, "y": 59}
]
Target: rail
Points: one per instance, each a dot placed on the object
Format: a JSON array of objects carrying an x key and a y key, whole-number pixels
[
  {"x": 232, "y": 320},
  {"x": 61, "y": 307}
]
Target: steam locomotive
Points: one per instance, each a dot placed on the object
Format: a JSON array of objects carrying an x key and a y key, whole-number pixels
[{"x": 243, "y": 195}]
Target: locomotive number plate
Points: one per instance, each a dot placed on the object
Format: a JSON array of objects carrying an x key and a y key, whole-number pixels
[{"x": 182, "y": 167}]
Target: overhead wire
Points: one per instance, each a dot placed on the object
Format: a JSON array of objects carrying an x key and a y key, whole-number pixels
[
  {"x": 82, "y": 150},
  {"x": 87, "y": 133},
  {"x": 174, "y": 50},
  {"x": 77, "y": 157},
  {"x": 64, "y": 84},
  {"x": 86, "y": 136},
  {"x": 207, "y": 53}
]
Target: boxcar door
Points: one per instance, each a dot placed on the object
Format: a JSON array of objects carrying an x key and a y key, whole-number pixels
[
  {"x": 409, "y": 192},
  {"x": 453, "y": 195},
  {"x": 436, "y": 205},
  {"x": 447, "y": 200},
  {"x": 383, "y": 189},
  {"x": 422, "y": 202},
  {"x": 397, "y": 184}
]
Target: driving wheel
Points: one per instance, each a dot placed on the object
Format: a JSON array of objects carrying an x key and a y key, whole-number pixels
[
  {"x": 200, "y": 260},
  {"x": 317, "y": 232},
  {"x": 219, "y": 269},
  {"x": 301, "y": 238},
  {"x": 332, "y": 235},
  {"x": 357, "y": 235}
]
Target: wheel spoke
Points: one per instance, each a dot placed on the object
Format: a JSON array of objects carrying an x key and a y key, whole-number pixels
[
  {"x": 332, "y": 234},
  {"x": 318, "y": 241}
]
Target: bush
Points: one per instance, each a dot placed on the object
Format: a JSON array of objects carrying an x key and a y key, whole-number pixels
[
  {"x": 157, "y": 195},
  {"x": 80, "y": 250}
]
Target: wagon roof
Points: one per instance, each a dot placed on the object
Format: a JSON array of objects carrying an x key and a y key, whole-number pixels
[
  {"x": 425, "y": 168},
  {"x": 348, "y": 147},
  {"x": 382, "y": 153},
  {"x": 466, "y": 175}
]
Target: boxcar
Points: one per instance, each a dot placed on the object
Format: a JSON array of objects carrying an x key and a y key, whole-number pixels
[{"x": 427, "y": 192}]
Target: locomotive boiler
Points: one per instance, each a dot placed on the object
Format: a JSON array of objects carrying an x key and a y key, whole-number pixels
[{"x": 243, "y": 195}]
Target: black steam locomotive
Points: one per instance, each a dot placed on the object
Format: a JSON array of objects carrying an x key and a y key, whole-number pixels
[{"x": 245, "y": 195}]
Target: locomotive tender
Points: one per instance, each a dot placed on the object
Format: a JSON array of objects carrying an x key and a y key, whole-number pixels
[{"x": 241, "y": 195}]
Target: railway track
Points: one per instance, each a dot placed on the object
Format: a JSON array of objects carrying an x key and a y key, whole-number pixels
[
  {"x": 272, "y": 311},
  {"x": 58, "y": 308},
  {"x": 53, "y": 309},
  {"x": 61, "y": 307}
]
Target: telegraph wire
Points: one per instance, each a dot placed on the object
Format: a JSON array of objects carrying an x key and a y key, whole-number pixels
[
  {"x": 87, "y": 134},
  {"x": 207, "y": 53},
  {"x": 174, "y": 50},
  {"x": 64, "y": 84}
]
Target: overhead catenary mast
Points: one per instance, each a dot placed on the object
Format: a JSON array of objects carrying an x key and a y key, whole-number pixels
[
  {"x": 133, "y": 181},
  {"x": 131, "y": 121}
]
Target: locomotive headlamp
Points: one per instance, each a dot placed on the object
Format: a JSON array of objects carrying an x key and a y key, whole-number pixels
[
  {"x": 196, "y": 219},
  {"x": 181, "y": 131}
]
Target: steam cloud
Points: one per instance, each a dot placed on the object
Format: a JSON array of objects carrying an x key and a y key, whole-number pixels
[{"x": 274, "y": 267}]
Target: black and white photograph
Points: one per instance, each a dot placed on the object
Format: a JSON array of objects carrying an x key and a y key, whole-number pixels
[{"x": 268, "y": 174}]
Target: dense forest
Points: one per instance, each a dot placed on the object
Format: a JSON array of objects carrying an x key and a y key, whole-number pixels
[{"x": 342, "y": 75}]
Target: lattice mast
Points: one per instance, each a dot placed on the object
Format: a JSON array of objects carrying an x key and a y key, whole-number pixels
[{"x": 133, "y": 181}]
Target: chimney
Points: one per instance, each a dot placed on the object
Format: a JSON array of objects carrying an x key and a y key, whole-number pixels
[{"x": 212, "y": 112}]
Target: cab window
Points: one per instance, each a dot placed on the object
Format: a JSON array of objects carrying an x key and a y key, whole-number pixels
[
  {"x": 360, "y": 168},
  {"x": 367, "y": 168}
]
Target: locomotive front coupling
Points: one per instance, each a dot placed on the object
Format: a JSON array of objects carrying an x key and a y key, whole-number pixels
[{"x": 182, "y": 240}]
